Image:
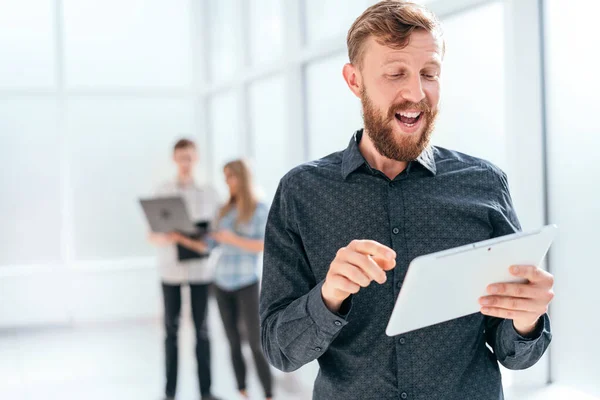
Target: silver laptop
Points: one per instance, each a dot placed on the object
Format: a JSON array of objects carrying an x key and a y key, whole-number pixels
[{"x": 167, "y": 214}]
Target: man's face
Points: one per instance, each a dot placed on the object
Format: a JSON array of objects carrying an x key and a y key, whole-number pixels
[
  {"x": 185, "y": 159},
  {"x": 400, "y": 93}
]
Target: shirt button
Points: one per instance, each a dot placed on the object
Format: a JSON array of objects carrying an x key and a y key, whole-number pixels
[
  {"x": 404, "y": 395},
  {"x": 338, "y": 323},
  {"x": 402, "y": 340},
  {"x": 396, "y": 231},
  {"x": 318, "y": 349}
]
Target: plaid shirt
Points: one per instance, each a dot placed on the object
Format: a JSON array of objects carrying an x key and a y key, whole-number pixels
[{"x": 236, "y": 268}]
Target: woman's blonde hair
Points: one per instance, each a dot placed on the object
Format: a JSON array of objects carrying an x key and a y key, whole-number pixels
[{"x": 245, "y": 199}]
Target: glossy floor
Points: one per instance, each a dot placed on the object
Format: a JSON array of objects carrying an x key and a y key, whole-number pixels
[{"x": 124, "y": 361}]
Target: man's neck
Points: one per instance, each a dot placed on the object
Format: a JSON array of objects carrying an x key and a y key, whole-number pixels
[
  {"x": 391, "y": 168},
  {"x": 185, "y": 180}
]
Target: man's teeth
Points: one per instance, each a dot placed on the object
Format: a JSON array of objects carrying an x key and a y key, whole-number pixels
[{"x": 410, "y": 114}]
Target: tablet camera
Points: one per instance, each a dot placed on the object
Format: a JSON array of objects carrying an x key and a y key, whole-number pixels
[{"x": 165, "y": 214}]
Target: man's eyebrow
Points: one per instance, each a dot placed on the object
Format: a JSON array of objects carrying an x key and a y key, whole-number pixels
[
  {"x": 395, "y": 61},
  {"x": 435, "y": 63}
]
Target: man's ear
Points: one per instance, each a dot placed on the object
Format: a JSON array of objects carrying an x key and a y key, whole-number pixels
[{"x": 353, "y": 78}]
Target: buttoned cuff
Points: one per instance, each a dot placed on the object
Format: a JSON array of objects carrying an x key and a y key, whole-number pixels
[
  {"x": 511, "y": 336},
  {"x": 327, "y": 321}
]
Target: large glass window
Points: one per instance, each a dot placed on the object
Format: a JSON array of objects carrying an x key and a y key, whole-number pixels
[
  {"x": 120, "y": 149},
  {"x": 266, "y": 30},
  {"x": 333, "y": 112},
  {"x": 27, "y": 36},
  {"x": 574, "y": 188},
  {"x": 224, "y": 32},
  {"x": 472, "y": 111},
  {"x": 30, "y": 206},
  {"x": 225, "y": 122},
  {"x": 328, "y": 19},
  {"x": 331, "y": 19},
  {"x": 269, "y": 134},
  {"x": 128, "y": 43}
]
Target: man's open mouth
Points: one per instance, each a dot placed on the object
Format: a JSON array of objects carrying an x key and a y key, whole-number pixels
[{"x": 409, "y": 118}]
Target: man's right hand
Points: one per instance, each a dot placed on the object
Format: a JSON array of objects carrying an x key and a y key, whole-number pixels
[{"x": 355, "y": 267}]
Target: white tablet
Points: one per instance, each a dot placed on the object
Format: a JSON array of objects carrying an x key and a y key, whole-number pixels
[{"x": 446, "y": 285}]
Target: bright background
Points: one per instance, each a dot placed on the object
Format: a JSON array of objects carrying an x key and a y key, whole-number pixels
[{"x": 94, "y": 93}]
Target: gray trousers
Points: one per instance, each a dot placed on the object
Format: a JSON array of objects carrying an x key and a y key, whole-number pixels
[{"x": 241, "y": 306}]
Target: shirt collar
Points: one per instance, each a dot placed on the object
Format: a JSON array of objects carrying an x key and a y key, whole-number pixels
[
  {"x": 190, "y": 185},
  {"x": 352, "y": 158}
]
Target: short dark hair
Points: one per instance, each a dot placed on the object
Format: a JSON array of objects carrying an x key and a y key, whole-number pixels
[{"x": 184, "y": 144}]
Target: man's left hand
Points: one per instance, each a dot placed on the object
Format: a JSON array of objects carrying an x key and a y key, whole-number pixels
[
  {"x": 523, "y": 303},
  {"x": 175, "y": 237}
]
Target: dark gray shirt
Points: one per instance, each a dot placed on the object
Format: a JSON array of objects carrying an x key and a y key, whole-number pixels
[{"x": 443, "y": 200}]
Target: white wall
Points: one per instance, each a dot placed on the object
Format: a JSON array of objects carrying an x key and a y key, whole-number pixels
[{"x": 53, "y": 295}]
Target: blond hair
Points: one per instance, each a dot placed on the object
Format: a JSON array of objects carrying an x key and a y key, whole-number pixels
[
  {"x": 390, "y": 22},
  {"x": 245, "y": 199}
]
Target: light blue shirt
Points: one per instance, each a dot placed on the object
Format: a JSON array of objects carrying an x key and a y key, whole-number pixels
[{"x": 236, "y": 268}]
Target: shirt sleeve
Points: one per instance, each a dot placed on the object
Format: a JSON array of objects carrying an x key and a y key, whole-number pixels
[
  {"x": 259, "y": 222},
  {"x": 511, "y": 349},
  {"x": 296, "y": 326}
]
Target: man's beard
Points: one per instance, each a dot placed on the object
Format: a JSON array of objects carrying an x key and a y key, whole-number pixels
[{"x": 407, "y": 147}]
